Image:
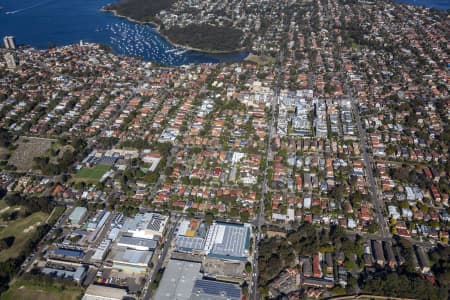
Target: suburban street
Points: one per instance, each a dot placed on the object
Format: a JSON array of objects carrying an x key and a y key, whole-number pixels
[
  {"x": 373, "y": 187},
  {"x": 261, "y": 218},
  {"x": 147, "y": 291}
]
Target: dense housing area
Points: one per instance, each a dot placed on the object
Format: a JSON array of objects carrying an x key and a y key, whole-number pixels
[{"x": 317, "y": 172}]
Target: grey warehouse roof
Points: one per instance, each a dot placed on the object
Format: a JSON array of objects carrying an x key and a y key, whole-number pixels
[
  {"x": 228, "y": 241},
  {"x": 189, "y": 243},
  {"x": 178, "y": 280},
  {"x": 133, "y": 256}
]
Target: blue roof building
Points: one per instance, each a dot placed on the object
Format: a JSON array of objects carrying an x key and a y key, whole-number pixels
[
  {"x": 69, "y": 252},
  {"x": 205, "y": 289}
]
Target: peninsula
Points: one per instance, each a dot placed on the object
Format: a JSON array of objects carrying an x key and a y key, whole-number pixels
[{"x": 203, "y": 36}]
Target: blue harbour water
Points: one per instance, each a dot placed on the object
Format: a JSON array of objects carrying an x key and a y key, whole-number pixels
[
  {"x": 40, "y": 23},
  {"x": 439, "y": 4}
]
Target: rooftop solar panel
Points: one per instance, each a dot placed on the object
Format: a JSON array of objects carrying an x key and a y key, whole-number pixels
[
  {"x": 189, "y": 243},
  {"x": 216, "y": 288},
  {"x": 228, "y": 240}
]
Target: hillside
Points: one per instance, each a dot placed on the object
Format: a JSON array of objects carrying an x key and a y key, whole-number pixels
[
  {"x": 206, "y": 37},
  {"x": 139, "y": 10},
  {"x": 199, "y": 36}
]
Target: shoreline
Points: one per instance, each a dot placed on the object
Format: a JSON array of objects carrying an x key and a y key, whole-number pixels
[{"x": 157, "y": 27}]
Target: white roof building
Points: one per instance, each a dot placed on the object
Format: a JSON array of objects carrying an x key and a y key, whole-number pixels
[
  {"x": 393, "y": 212},
  {"x": 100, "y": 292},
  {"x": 146, "y": 226},
  {"x": 101, "y": 251},
  {"x": 77, "y": 215}
]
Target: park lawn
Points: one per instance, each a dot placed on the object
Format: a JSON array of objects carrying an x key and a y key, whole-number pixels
[
  {"x": 16, "y": 228},
  {"x": 28, "y": 290},
  {"x": 260, "y": 60},
  {"x": 92, "y": 174}
]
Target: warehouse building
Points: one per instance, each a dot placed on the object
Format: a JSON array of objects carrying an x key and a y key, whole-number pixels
[
  {"x": 77, "y": 274},
  {"x": 99, "y": 220},
  {"x": 182, "y": 280},
  {"x": 69, "y": 253},
  {"x": 215, "y": 290},
  {"x": 228, "y": 241},
  {"x": 137, "y": 243},
  {"x": 189, "y": 244},
  {"x": 178, "y": 280},
  {"x": 102, "y": 250},
  {"x": 101, "y": 292},
  {"x": 77, "y": 215},
  {"x": 146, "y": 226},
  {"x": 191, "y": 236},
  {"x": 131, "y": 261}
]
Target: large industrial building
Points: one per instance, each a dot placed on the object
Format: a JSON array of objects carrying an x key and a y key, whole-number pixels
[
  {"x": 178, "y": 280},
  {"x": 131, "y": 261},
  {"x": 191, "y": 236},
  {"x": 77, "y": 274},
  {"x": 137, "y": 243},
  {"x": 228, "y": 241},
  {"x": 100, "y": 292},
  {"x": 182, "y": 280},
  {"x": 215, "y": 290},
  {"x": 102, "y": 250},
  {"x": 146, "y": 226},
  {"x": 70, "y": 253},
  {"x": 77, "y": 215}
]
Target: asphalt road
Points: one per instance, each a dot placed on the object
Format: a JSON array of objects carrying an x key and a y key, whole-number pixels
[
  {"x": 373, "y": 187},
  {"x": 162, "y": 176},
  {"x": 168, "y": 242},
  {"x": 261, "y": 218}
]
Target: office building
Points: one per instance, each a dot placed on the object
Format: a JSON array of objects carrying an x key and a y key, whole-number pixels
[
  {"x": 11, "y": 61},
  {"x": 9, "y": 42}
]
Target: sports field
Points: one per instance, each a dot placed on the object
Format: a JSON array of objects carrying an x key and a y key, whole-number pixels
[{"x": 92, "y": 174}]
